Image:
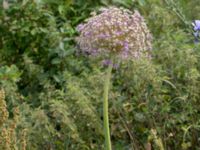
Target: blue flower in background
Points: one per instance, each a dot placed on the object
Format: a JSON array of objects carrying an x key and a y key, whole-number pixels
[
  {"x": 196, "y": 25},
  {"x": 196, "y": 28}
]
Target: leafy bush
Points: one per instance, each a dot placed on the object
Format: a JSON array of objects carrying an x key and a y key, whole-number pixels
[{"x": 59, "y": 92}]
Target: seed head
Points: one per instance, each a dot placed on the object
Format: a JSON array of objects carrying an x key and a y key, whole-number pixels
[{"x": 3, "y": 109}]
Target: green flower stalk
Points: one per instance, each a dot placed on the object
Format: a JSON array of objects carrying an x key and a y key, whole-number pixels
[
  {"x": 114, "y": 34},
  {"x": 105, "y": 108}
]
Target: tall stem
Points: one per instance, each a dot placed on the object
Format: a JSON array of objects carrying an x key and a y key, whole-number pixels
[{"x": 105, "y": 108}]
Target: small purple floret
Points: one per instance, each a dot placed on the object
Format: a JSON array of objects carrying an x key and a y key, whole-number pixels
[
  {"x": 106, "y": 62},
  {"x": 80, "y": 27},
  {"x": 126, "y": 46},
  {"x": 115, "y": 66},
  {"x": 119, "y": 33},
  {"x": 88, "y": 34},
  {"x": 103, "y": 36},
  {"x": 94, "y": 52}
]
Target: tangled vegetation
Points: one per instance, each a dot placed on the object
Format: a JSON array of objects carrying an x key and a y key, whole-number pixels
[{"x": 51, "y": 95}]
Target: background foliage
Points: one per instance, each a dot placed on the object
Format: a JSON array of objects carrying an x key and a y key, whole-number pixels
[{"x": 59, "y": 92}]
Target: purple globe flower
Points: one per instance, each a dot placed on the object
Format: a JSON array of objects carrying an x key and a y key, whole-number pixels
[{"x": 115, "y": 32}]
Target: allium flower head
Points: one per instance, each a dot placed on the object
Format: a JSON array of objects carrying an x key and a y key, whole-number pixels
[{"x": 115, "y": 32}]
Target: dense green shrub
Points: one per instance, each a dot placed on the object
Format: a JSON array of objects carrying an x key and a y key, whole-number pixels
[{"x": 58, "y": 92}]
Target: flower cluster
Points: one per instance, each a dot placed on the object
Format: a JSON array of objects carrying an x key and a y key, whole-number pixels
[
  {"x": 196, "y": 28},
  {"x": 115, "y": 32}
]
